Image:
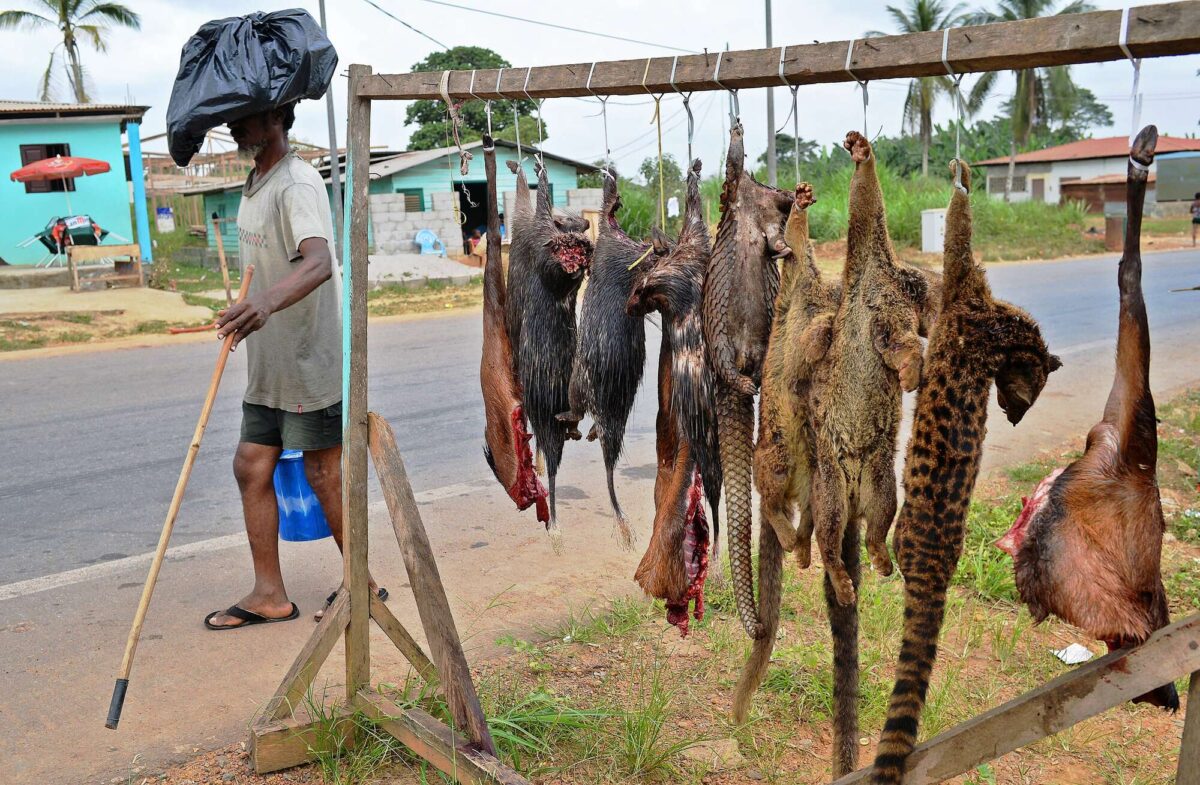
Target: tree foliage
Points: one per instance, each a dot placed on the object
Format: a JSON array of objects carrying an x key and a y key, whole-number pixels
[
  {"x": 89, "y": 20},
  {"x": 433, "y": 126}
]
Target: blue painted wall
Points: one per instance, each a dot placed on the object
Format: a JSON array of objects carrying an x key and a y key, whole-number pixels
[
  {"x": 105, "y": 197},
  {"x": 428, "y": 178}
]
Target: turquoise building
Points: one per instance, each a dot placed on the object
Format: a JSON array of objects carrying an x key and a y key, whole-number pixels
[
  {"x": 420, "y": 174},
  {"x": 31, "y": 131}
]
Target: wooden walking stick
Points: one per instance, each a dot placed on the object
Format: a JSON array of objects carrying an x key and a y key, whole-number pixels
[
  {"x": 221, "y": 257},
  {"x": 135, "y": 632}
]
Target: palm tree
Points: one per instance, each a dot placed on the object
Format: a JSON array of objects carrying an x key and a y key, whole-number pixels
[
  {"x": 1038, "y": 90},
  {"x": 922, "y": 16},
  {"x": 76, "y": 19}
]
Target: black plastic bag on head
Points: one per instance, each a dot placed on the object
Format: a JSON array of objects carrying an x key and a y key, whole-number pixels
[{"x": 236, "y": 67}]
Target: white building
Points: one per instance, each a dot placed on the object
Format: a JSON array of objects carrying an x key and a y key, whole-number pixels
[{"x": 1079, "y": 170}]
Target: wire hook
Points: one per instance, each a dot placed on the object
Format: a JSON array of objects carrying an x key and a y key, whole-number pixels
[
  {"x": 487, "y": 105},
  {"x": 735, "y": 111},
  {"x": 657, "y": 120},
  {"x": 464, "y": 156},
  {"x": 1123, "y": 42},
  {"x": 862, "y": 83},
  {"x": 603, "y": 117},
  {"x": 537, "y": 103},
  {"x": 958, "y": 106},
  {"x": 687, "y": 107}
]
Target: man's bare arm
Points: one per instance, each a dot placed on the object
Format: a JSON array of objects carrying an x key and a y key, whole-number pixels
[{"x": 314, "y": 268}]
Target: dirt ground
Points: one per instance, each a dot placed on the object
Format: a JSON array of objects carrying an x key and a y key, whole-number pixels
[{"x": 617, "y": 695}]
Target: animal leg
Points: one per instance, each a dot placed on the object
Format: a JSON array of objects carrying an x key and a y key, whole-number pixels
[
  {"x": 816, "y": 338},
  {"x": 770, "y": 595},
  {"x": 829, "y": 518},
  {"x": 897, "y": 342},
  {"x": 843, "y": 624},
  {"x": 878, "y": 493}
]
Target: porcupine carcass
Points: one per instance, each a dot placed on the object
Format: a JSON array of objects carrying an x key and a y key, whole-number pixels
[
  {"x": 547, "y": 260},
  {"x": 610, "y": 355},
  {"x": 676, "y": 561},
  {"x": 739, "y": 301},
  {"x": 506, "y": 435}
]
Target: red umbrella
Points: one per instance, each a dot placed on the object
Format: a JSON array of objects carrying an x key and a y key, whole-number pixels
[{"x": 59, "y": 168}]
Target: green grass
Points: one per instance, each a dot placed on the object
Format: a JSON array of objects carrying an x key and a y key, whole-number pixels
[
  {"x": 16, "y": 344},
  {"x": 205, "y": 302},
  {"x": 74, "y": 336},
  {"x": 152, "y": 326},
  {"x": 643, "y": 744},
  {"x": 81, "y": 317}
]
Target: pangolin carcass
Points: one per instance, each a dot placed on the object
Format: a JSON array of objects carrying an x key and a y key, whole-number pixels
[
  {"x": 611, "y": 352},
  {"x": 506, "y": 435},
  {"x": 739, "y": 298},
  {"x": 1087, "y": 545},
  {"x": 548, "y": 257},
  {"x": 676, "y": 560}
]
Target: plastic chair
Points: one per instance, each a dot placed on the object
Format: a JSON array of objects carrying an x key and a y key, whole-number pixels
[{"x": 429, "y": 242}]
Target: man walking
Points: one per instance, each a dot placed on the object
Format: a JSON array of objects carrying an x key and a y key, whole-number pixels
[{"x": 291, "y": 323}]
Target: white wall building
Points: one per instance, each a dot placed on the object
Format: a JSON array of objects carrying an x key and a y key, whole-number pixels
[{"x": 1082, "y": 166}]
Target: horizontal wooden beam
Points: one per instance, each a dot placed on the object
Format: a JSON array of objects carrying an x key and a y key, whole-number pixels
[
  {"x": 1171, "y": 653},
  {"x": 1154, "y": 31}
]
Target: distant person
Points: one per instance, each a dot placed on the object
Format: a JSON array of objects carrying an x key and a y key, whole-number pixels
[
  {"x": 291, "y": 322},
  {"x": 1195, "y": 211}
]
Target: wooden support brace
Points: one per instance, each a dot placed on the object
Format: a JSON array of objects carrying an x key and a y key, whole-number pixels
[
  {"x": 433, "y": 741},
  {"x": 1188, "y": 771},
  {"x": 1154, "y": 31},
  {"x": 411, "y": 650},
  {"x": 1169, "y": 654},
  {"x": 432, "y": 605},
  {"x": 300, "y": 676}
]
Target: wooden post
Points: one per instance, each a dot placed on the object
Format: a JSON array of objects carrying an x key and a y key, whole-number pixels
[
  {"x": 427, "y": 588},
  {"x": 1188, "y": 771},
  {"x": 355, "y": 437}
]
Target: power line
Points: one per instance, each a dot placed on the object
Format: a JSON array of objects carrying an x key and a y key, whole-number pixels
[
  {"x": 388, "y": 13},
  {"x": 555, "y": 26}
]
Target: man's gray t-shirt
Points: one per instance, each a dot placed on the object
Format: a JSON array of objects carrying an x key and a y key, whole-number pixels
[{"x": 295, "y": 360}]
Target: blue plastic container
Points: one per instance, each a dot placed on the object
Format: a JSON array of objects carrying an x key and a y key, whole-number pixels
[{"x": 300, "y": 516}]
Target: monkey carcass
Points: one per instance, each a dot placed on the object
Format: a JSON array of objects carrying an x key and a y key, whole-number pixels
[{"x": 1087, "y": 546}]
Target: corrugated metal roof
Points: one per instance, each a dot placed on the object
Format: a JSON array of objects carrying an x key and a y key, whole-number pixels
[
  {"x": 11, "y": 109},
  {"x": 408, "y": 160},
  {"x": 1107, "y": 147},
  {"x": 1104, "y": 179}
]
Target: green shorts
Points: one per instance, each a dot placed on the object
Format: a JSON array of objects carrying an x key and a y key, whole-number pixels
[{"x": 317, "y": 430}]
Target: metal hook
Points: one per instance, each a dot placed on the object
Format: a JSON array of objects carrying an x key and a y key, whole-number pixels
[
  {"x": 1123, "y": 42},
  {"x": 657, "y": 120},
  {"x": 958, "y": 102},
  {"x": 687, "y": 107},
  {"x": 862, "y": 83},
  {"x": 499, "y": 76},
  {"x": 782, "y": 78},
  {"x": 736, "y": 110},
  {"x": 603, "y": 115},
  {"x": 538, "y": 103}
]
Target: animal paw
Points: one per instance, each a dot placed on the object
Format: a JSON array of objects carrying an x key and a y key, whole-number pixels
[
  {"x": 843, "y": 589},
  {"x": 857, "y": 145},
  {"x": 803, "y": 552},
  {"x": 816, "y": 338},
  {"x": 880, "y": 559},
  {"x": 910, "y": 371},
  {"x": 804, "y": 196}
]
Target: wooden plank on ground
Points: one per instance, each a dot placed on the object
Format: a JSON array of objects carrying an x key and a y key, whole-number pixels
[
  {"x": 1154, "y": 31},
  {"x": 405, "y": 642},
  {"x": 308, "y": 663},
  {"x": 1188, "y": 771},
  {"x": 355, "y": 437},
  {"x": 284, "y": 743},
  {"x": 427, "y": 589},
  {"x": 451, "y": 753},
  {"x": 99, "y": 253},
  {"x": 1169, "y": 654}
]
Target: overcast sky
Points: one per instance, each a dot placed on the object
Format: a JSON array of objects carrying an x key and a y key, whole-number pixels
[{"x": 141, "y": 66}]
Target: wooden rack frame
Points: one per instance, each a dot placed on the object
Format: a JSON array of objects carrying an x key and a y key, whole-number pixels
[{"x": 467, "y": 754}]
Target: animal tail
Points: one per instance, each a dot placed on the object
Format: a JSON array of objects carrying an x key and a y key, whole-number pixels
[
  {"x": 736, "y": 422},
  {"x": 610, "y": 445},
  {"x": 770, "y": 595},
  {"x": 843, "y": 623},
  {"x": 924, "y": 609}
]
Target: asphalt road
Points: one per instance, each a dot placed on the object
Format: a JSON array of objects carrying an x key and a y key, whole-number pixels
[{"x": 93, "y": 442}]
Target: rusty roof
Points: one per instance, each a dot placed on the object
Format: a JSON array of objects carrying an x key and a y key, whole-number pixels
[
  {"x": 46, "y": 109},
  {"x": 1107, "y": 147}
]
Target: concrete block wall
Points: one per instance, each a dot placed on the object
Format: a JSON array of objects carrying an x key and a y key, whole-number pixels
[
  {"x": 510, "y": 201},
  {"x": 393, "y": 228},
  {"x": 580, "y": 199}
]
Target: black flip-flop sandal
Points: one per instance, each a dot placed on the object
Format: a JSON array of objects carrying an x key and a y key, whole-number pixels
[
  {"x": 249, "y": 618},
  {"x": 382, "y": 594}
]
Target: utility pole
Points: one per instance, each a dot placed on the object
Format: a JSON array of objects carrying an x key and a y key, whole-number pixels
[
  {"x": 335, "y": 174},
  {"x": 772, "y": 177}
]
